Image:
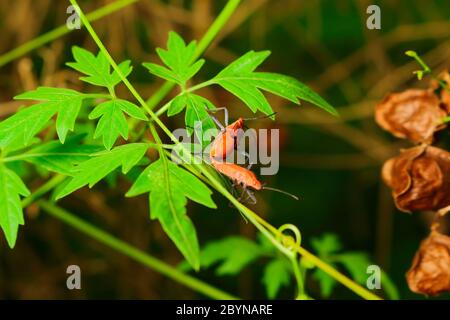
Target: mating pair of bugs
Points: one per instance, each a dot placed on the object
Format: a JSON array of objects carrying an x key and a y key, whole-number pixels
[{"x": 224, "y": 144}]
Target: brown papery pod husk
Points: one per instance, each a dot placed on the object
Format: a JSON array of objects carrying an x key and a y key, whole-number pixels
[
  {"x": 445, "y": 98},
  {"x": 412, "y": 114},
  {"x": 445, "y": 93},
  {"x": 430, "y": 270},
  {"x": 419, "y": 178}
]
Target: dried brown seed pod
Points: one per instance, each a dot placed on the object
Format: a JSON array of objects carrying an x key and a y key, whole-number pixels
[
  {"x": 419, "y": 178},
  {"x": 445, "y": 93},
  {"x": 412, "y": 114},
  {"x": 430, "y": 270}
]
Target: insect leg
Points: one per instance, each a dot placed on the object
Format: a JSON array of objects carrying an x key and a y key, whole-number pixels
[
  {"x": 244, "y": 189},
  {"x": 250, "y": 195},
  {"x": 222, "y": 128},
  {"x": 246, "y": 155},
  {"x": 225, "y": 111}
]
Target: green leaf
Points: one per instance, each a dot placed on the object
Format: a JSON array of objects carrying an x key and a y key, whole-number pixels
[
  {"x": 125, "y": 68},
  {"x": 240, "y": 79},
  {"x": 234, "y": 253},
  {"x": 161, "y": 72},
  {"x": 266, "y": 244},
  {"x": 389, "y": 287},
  {"x": 97, "y": 68},
  {"x": 58, "y": 157},
  {"x": 11, "y": 215},
  {"x": 327, "y": 283},
  {"x": 356, "y": 264},
  {"x": 178, "y": 58},
  {"x": 196, "y": 118},
  {"x": 101, "y": 164},
  {"x": 169, "y": 188},
  {"x": 112, "y": 121},
  {"x": 197, "y": 113},
  {"x": 276, "y": 275},
  {"x": 65, "y": 102},
  {"x": 19, "y": 130},
  {"x": 327, "y": 244},
  {"x": 178, "y": 104}
]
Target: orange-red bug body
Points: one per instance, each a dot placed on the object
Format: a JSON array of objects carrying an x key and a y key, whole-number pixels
[
  {"x": 225, "y": 142},
  {"x": 239, "y": 174},
  {"x": 221, "y": 147}
]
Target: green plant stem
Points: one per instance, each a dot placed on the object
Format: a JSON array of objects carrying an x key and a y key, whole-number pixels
[
  {"x": 61, "y": 31},
  {"x": 98, "y": 95},
  {"x": 201, "y": 85},
  {"x": 426, "y": 70},
  {"x": 25, "y": 156},
  {"x": 133, "y": 253},
  {"x": 414, "y": 55},
  {"x": 338, "y": 276},
  {"x": 298, "y": 276},
  {"x": 271, "y": 233},
  {"x": 215, "y": 27},
  {"x": 127, "y": 83},
  {"x": 164, "y": 108},
  {"x": 203, "y": 44},
  {"x": 42, "y": 190},
  {"x": 259, "y": 223},
  {"x": 119, "y": 245},
  {"x": 160, "y": 94}
]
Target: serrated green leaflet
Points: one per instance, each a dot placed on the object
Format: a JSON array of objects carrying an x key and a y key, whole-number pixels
[
  {"x": 326, "y": 283},
  {"x": 196, "y": 117},
  {"x": 65, "y": 102},
  {"x": 178, "y": 57},
  {"x": 112, "y": 121},
  {"x": 19, "y": 130},
  {"x": 11, "y": 215},
  {"x": 177, "y": 104},
  {"x": 233, "y": 253},
  {"x": 97, "y": 68},
  {"x": 170, "y": 186},
  {"x": 276, "y": 275},
  {"x": 58, "y": 157},
  {"x": 326, "y": 244},
  {"x": 355, "y": 263},
  {"x": 101, "y": 164},
  {"x": 240, "y": 79}
]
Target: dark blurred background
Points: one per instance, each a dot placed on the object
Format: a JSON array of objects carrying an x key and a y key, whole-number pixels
[{"x": 333, "y": 164}]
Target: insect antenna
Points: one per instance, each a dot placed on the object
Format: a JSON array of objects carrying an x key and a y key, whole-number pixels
[
  {"x": 282, "y": 191},
  {"x": 261, "y": 117}
]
